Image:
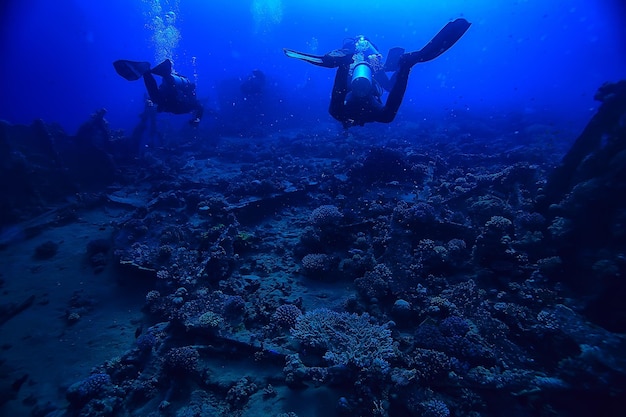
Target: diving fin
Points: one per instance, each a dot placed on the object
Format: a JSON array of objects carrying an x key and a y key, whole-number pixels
[
  {"x": 442, "y": 41},
  {"x": 131, "y": 70},
  {"x": 333, "y": 59},
  {"x": 163, "y": 69},
  {"x": 313, "y": 59},
  {"x": 393, "y": 57}
]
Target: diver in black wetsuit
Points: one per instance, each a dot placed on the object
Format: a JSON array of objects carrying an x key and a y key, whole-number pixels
[
  {"x": 361, "y": 75},
  {"x": 176, "y": 94},
  {"x": 254, "y": 84},
  {"x": 146, "y": 134}
]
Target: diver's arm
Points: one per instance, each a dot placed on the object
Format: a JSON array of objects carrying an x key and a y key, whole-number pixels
[{"x": 337, "y": 108}]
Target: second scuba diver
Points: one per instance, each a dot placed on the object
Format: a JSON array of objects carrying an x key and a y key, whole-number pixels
[{"x": 176, "y": 94}]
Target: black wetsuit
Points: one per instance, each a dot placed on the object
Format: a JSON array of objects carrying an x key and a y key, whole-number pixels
[
  {"x": 361, "y": 110},
  {"x": 147, "y": 125},
  {"x": 366, "y": 106},
  {"x": 176, "y": 95}
]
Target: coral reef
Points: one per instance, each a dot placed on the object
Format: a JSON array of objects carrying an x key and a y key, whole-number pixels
[
  {"x": 426, "y": 272},
  {"x": 346, "y": 339}
]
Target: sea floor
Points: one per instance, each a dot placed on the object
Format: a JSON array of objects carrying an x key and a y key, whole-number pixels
[
  {"x": 236, "y": 218},
  {"x": 40, "y": 342}
]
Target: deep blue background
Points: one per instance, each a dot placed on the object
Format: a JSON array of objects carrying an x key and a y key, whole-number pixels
[{"x": 536, "y": 57}]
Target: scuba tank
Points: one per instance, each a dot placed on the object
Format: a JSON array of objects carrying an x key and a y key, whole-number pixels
[
  {"x": 181, "y": 83},
  {"x": 361, "y": 79}
]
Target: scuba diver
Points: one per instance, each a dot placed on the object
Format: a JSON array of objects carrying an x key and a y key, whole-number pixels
[
  {"x": 146, "y": 134},
  {"x": 254, "y": 84},
  {"x": 361, "y": 75},
  {"x": 176, "y": 94}
]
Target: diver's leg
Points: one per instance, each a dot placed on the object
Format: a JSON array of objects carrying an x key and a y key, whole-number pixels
[
  {"x": 163, "y": 69},
  {"x": 151, "y": 86},
  {"x": 396, "y": 94},
  {"x": 338, "y": 96},
  {"x": 446, "y": 37}
]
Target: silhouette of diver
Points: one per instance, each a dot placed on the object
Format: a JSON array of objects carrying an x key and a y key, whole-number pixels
[
  {"x": 254, "y": 84},
  {"x": 145, "y": 133},
  {"x": 176, "y": 94},
  {"x": 361, "y": 75}
]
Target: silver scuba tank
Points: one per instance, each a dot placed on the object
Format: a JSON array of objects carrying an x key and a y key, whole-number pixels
[{"x": 361, "y": 79}]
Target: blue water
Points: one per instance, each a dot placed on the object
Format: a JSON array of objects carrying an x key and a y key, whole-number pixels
[
  {"x": 532, "y": 57},
  {"x": 466, "y": 259}
]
